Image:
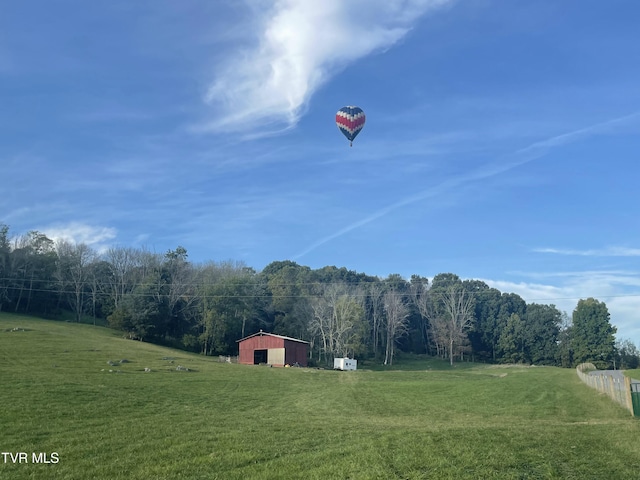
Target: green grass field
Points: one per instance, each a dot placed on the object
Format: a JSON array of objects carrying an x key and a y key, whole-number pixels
[
  {"x": 224, "y": 421},
  {"x": 633, "y": 373}
]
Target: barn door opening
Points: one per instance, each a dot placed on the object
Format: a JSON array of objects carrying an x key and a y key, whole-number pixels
[{"x": 259, "y": 356}]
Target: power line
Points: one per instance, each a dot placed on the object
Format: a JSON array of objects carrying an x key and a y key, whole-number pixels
[{"x": 130, "y": 291}]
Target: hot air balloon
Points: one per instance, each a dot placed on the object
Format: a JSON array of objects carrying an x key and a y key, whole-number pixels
[{"x": 350, "y": 121}]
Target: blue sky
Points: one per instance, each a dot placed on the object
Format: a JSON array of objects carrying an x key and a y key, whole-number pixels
[{"x": 502, "y": 138}]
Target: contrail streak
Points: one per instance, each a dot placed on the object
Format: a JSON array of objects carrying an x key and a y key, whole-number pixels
[{"x": 523, "y": 156}]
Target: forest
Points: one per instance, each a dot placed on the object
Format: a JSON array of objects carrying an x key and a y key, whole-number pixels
[{"x": 206, "y": 307}]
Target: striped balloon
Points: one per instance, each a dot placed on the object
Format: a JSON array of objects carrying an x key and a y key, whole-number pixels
[{"x": 350, "y": 121}]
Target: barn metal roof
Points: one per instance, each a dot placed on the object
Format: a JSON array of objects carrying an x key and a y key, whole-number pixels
[{"x": 261, "y": 333}]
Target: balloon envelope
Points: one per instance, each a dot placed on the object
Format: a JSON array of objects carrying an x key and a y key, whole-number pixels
[{"x": 350, "y": 121}]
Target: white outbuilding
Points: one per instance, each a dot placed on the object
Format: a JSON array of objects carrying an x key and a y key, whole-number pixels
[{"x": 345, "y": 364}]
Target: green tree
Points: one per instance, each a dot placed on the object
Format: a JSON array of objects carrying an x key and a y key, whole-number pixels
[
  {"x": 592, "y": 335},
  {"x": 289, "y": 285},
  {"x": 542, "y": 328},
  {"x": 5, "y": 262},
  {"x": 144, "y": 312},
  {"x": 180, "y": 278},
  {"x": 627, "y": 355},
  {"x": 486, "y": 332},
  {"x": 511, "y": 342},
  {"x": 33, "y": 266},
  {"x": 229, "y": 312},
  {"x": 564, "y": 354}
]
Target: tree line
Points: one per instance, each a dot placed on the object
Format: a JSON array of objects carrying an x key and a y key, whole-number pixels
[{"x": 206, "y": 307}]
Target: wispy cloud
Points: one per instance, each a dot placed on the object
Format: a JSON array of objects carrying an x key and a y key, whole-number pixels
[
  {"x": 519, "y": 157},
  {"x": 300, "y": 45},
  {"x": 570, "y": 137},
  {"x": 602, "y": 252}
]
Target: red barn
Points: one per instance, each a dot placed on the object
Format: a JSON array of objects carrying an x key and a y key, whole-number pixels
[{"x": 272, "y": 349}]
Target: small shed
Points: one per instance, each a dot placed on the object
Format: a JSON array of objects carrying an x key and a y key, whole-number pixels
[
  {"x": 345, "y": 364},
  {"x": 272, "y": 349}
]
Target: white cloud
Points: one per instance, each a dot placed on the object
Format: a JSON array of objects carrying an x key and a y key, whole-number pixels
[
  {"x": 603, "y": 252},
  {"x": 76, "y": 232},
  {"x": 619, "y": 290},
  {"x": 300, "y": 45}
]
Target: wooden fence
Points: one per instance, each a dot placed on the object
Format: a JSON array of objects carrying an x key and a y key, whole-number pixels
[{"x": 616, "y": 387}]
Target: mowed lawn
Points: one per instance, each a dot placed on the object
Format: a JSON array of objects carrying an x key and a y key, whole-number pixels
[{"x": 230, "y": 421}]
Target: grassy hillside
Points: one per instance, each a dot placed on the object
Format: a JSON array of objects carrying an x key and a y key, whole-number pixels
[{"x": 232, "y": 421}]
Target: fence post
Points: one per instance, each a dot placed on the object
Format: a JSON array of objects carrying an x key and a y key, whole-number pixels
[
  {"x": 635, "y": 398},
  {"x": 627, "y": 389},
  {"x": 612, "y": 389}
]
